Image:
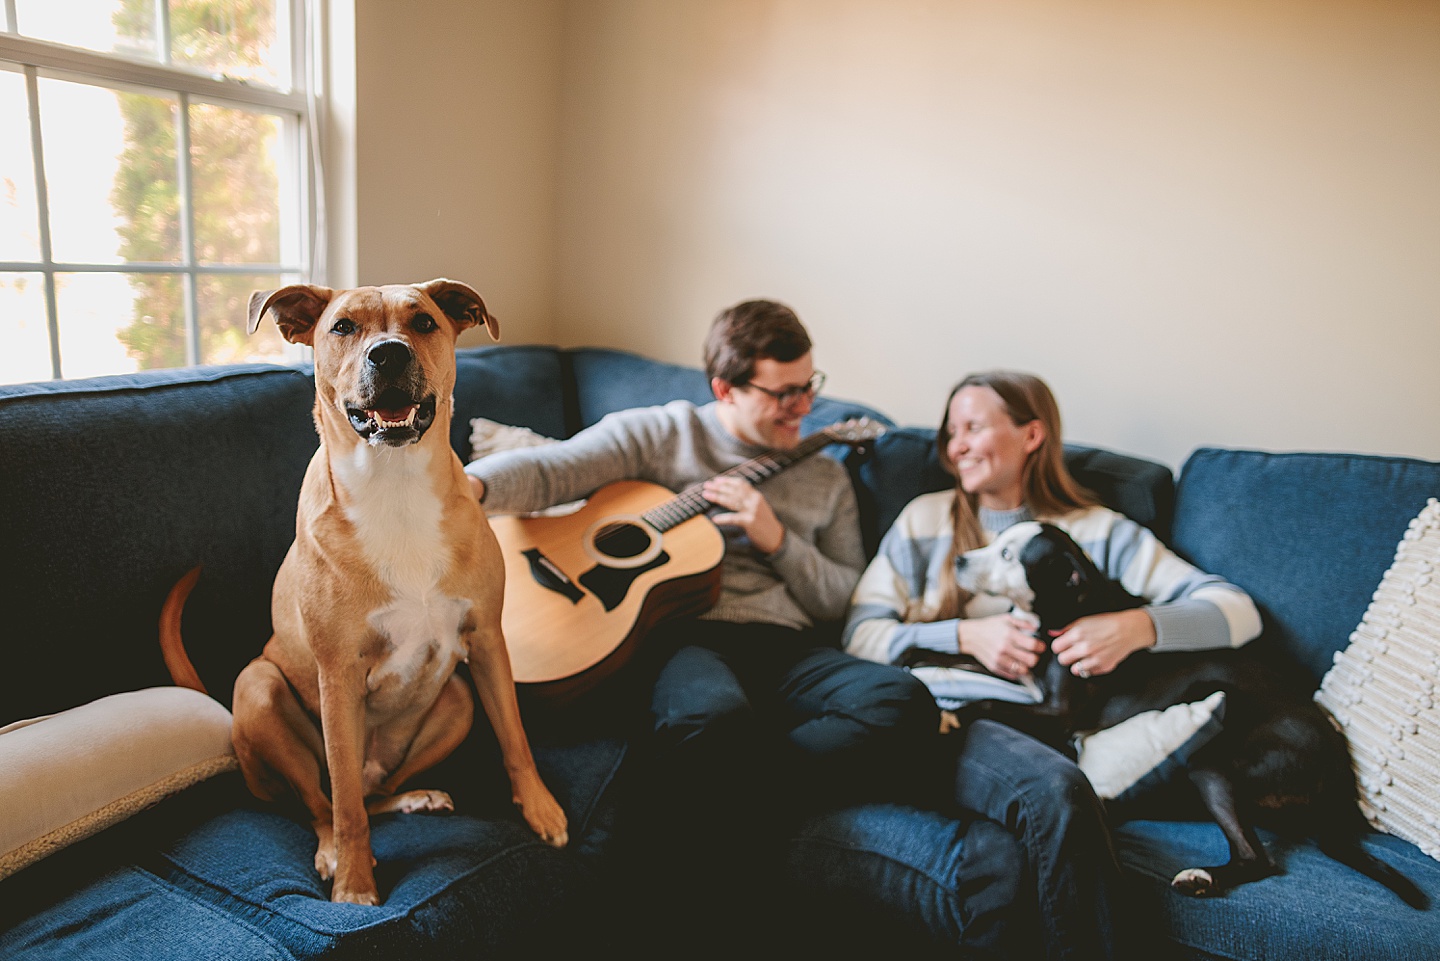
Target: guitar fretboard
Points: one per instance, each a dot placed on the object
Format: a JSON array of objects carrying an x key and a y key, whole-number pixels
[{"x": 691, "y": 501}]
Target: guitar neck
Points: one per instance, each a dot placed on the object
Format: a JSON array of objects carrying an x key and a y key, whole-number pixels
[{"x": 691, "y": 501}]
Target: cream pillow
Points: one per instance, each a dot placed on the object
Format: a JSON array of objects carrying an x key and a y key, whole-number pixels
[
  {"x": 1141, "y": 752},
  {"x": 66, "y": 776},
  {"x": 490, "y": 437},
  {"x": 1382, "y": 691}
]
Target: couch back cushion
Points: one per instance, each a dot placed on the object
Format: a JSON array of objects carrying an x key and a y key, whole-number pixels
[
  {"x": 609, "y": 380},
  {"x": 1309, "y": 536},
  {"x": 115, "y": 487},
  {"x": 528, "y": 386},
  {"x": 904, "y": 464}
]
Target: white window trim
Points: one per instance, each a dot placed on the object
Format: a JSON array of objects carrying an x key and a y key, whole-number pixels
[{"x": 39, "y": 58}]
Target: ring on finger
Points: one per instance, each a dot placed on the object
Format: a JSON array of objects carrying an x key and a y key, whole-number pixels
[{"x": 1082, "y": 671}]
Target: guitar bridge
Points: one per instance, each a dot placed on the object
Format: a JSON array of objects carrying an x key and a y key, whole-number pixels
[{"x": 550, "y": 577}]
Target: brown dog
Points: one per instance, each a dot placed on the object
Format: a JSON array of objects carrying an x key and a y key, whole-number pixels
[{"x": 393, "y": 580}]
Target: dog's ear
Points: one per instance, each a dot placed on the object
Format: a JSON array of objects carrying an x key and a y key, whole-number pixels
[
  {"x": 461, "y": 304},
  {"x": 296, "y": 310}
]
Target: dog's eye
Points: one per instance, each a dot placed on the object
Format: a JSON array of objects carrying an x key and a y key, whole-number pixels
[
  {"x": 343, "y": 327},
  {"x": 424, "y": 324},
  {"x": 1007, "y": 554}
]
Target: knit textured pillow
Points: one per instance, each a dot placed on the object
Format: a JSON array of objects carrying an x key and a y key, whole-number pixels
[{"x": 1382, "y": 691}]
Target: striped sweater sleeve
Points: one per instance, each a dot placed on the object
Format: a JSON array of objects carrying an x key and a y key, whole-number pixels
[
  {"x": 1192, "y": 610},
  {"x": 888, "y": 609}
]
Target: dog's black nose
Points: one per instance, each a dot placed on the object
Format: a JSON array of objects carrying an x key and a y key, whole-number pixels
[{"x": 390, "y": 357}]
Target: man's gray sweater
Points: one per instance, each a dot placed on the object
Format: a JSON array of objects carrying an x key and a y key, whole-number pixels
[{"x": 809, "y": 579}]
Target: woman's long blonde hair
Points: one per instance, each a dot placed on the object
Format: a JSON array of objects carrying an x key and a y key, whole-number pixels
[{"x": 1048, "y": 488}]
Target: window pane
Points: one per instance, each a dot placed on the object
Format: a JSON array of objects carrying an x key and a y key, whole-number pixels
[
  {"x": 125, "y": 27},
  {"x": 110, "y": 172},
  {"x": 234, "y": 38},
  {"x": 26, "y": 355},
  {"x": 118, "y": 323},
  {"x": 223, "y": 299},
  {"x": 19, "y": 216},
  {"x": 236, "y": 190}
]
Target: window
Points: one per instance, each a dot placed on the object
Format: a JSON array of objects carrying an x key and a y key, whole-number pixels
[{"x": 154, "y": 170}]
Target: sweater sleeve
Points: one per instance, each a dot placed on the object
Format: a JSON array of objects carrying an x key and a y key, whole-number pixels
[
  {"x": 1192, "y": 610},
  {"x": 891, "y": 586},
  {"x": 822, "y": 575},
  {"x": 618, "y": 447}
]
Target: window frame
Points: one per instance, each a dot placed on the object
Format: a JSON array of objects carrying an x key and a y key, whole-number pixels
[{"x": 36, "y": 59}]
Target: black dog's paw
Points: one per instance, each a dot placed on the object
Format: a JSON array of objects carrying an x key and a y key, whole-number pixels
[{"x": 1196, "y": 882}]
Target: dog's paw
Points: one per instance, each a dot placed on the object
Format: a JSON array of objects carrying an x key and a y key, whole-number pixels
[
  {"x": 326, "y": 859},
  {"x": 412, "y": 801},
  {"x": 1196, "y": 882},
  {"x": 362, "y": 896},
  {"x": 545, "y": 816}
]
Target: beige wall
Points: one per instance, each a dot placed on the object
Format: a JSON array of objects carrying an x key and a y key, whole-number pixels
[
  {"x": 456, "y": 125},
  {"x": 1203, "y": 221}
]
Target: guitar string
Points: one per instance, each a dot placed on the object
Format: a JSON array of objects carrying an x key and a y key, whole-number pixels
[{"x": 690, "y": 502}]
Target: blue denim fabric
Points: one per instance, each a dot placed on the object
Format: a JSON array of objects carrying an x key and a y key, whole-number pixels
[
  {"x": 132, "y": 915},
  {"x": 1318, "y": 909},
  {"x": 731, "y": 688},
  {"x": 959, "y": 885},
  {"x": 1041, "y": 797}
]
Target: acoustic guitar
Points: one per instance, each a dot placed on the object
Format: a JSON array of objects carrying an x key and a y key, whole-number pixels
[{"x": 582, "y": 589}]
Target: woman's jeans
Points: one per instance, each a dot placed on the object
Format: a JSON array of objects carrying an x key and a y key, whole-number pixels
[{"x": 1041, "y": 797}]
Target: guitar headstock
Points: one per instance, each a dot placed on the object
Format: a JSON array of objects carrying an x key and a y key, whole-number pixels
[{"x": 856, "y": 430}]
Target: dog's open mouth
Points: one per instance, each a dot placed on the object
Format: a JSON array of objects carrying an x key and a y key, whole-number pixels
[{"x": 393, "y": 418}]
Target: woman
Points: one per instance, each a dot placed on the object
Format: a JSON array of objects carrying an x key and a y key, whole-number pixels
[{"x": 1000, "y": 438}]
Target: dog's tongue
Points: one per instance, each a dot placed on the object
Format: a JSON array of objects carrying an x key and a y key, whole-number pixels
[{"x": 397, "y": 415}]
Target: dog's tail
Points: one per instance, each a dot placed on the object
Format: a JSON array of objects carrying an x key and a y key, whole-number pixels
[
  {"x": 1345, "y": 848},
  {"x": 172, "y": 647}
]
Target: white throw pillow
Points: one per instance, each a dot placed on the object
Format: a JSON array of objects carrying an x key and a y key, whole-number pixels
[
  {"x": 490, "y": 437},
  {"x": 66, "y": 776},
  {"x": 1140, "y": 752},
  {"x": 1382, "y": 691}
]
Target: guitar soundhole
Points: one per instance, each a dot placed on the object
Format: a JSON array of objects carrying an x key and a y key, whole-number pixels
[{"x": 622, "y": 541}]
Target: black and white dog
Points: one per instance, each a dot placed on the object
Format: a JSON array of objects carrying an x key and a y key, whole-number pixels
[{"x": 1278, "y": 761}]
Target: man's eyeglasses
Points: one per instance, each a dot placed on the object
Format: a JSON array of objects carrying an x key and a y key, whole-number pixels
[{"x": 790, "y": 395}]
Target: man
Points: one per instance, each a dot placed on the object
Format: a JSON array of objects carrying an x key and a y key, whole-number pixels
[{"x": 751, "y": 702}]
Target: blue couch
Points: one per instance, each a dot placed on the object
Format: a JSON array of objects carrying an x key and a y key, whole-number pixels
[{"x": 114, "y": 487}]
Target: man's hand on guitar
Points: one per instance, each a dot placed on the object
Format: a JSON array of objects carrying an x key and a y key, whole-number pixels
[{"x": 747, "y": 509}]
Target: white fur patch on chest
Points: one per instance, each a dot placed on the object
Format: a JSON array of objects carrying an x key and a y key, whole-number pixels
[
  {"x": 397, "y": 516},
  {"x": 422, "y": 649}
]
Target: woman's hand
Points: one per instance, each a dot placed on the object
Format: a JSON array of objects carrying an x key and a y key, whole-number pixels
[
  {"x": 1097, "y": 644},
  {"x": 748, "y": 509},
  {"x": 1004, "y": 643}
]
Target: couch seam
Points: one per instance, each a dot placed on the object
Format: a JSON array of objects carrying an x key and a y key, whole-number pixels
[{"x": 179, "y": 891}]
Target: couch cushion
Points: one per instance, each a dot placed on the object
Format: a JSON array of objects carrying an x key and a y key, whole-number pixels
[
  {"x": 905, "y": 464},
  {"x": 1308, "y": 536},
  {"x": 128, "y": 482},
  {"x": 609, "y": 380},
  {"x": 1317, "y": 910},
  {"x": 529, "y": 386},
  {"x": 214, "y": 873}
]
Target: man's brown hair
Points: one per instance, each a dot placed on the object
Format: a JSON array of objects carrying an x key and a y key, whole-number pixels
[{"x": 749, "y": 331}]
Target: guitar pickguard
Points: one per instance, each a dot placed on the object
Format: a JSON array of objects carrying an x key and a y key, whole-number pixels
[{"x": 610, "y": 584}]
